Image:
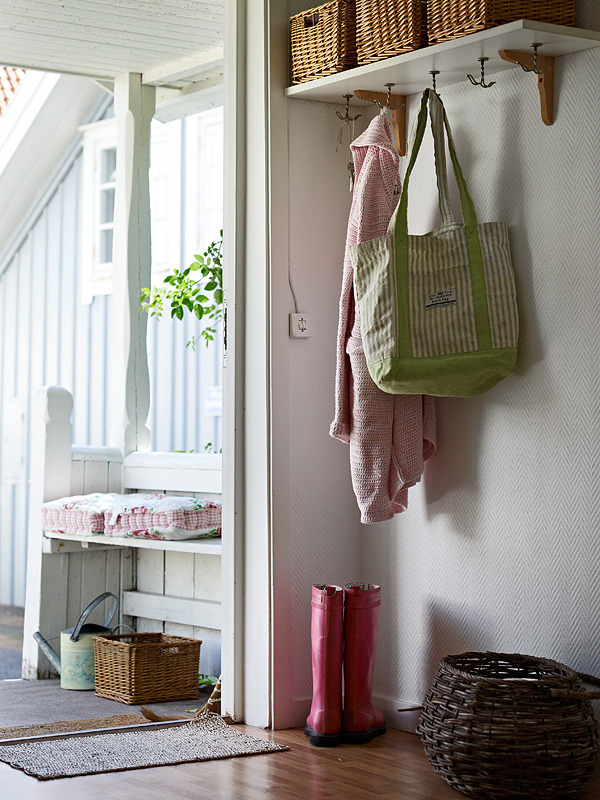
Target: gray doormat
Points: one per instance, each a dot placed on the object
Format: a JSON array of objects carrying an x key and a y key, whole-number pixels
[{"x": 202, "y": 739}]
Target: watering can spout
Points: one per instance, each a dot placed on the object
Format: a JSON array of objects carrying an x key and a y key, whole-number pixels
[{"x": 50, "y": 654}]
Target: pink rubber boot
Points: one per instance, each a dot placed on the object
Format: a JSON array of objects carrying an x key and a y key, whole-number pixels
[
  {"x": 324, "y": 722},
  {"x": 362, "y": 721}
]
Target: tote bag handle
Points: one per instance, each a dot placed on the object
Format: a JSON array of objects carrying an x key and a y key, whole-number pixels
[
  {"x": 439, "y": 123},
  {"x": 441, "y": 172},
  {"x": 399, "y": 225}
]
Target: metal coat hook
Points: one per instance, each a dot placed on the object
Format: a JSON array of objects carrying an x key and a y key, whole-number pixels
[
  {"x": 347, "y": 117},
  {"x": 397, "y": 111},
  {"x": 534, "y": 69},
  {"x": 389, "y": 87},
  {"x": 433, "y": 73},
  {"x": 349, "y": 121},
  {"x": 481, "y": 82}
]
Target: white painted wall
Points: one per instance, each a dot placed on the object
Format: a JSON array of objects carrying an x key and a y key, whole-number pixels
[{"x": 499, "y": 548}]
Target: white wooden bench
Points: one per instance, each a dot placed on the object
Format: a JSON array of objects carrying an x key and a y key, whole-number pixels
[{"x": 170, "y": 586}]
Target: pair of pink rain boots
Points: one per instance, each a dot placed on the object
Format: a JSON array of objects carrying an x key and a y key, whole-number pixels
[{"x": 347, "y": 639}]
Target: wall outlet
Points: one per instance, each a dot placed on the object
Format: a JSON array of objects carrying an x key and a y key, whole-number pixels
[{"x": 300, "y": 326}]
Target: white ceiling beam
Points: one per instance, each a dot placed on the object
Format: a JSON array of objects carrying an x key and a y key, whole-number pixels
[
  {"x": 174, "y": 104},
  {"x": 184, "y": 68},
  {"x": 106, "y": 86}
]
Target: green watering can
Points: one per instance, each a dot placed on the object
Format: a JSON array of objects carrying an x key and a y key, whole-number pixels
[{"x": 76, "y": 662}]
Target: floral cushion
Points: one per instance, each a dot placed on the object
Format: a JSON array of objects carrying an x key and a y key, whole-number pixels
[
  {"x": 82, "y": 514},
  {"x": 161, "y": 516},
  {"x": 150, "y": 516}
]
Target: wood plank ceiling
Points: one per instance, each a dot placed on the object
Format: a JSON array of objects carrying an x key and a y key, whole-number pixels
[{"x": 171, "y": 43}]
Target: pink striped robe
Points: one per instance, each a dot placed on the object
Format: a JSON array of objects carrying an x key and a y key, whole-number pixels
[{"x": 390, "y": 436}]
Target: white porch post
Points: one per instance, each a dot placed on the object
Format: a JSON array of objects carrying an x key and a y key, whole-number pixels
[
  {"x": 134, "y": 108},
  {"x": 51, "y": 435}
]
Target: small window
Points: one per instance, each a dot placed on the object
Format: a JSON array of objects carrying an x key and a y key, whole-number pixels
[
  {"x": 98, "y": 202},
  {"x": 106, "y": 193},
  {"x": 98, "y": 207}
]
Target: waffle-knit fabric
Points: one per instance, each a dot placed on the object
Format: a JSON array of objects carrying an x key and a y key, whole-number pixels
[{"x": 390, "y": 436}]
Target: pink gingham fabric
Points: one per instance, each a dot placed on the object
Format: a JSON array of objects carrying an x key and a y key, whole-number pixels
[
  {"x": 159, "y": 516},
  {"x": 390, "y": 436},
  {"x": 150, "y": 516},
  {"x": 80, "y": 514}
]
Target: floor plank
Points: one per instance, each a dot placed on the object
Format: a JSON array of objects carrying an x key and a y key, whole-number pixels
[{"x": 391, "y": 766}]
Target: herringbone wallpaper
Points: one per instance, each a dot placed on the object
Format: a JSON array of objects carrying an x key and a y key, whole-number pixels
[{"x": 500, "y": 547}]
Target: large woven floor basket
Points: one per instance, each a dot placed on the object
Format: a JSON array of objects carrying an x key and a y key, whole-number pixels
[
  {"x": 448, "y": 19},
  {"x": 146, "y": 667},
  {"x": 497, "y": 726}
]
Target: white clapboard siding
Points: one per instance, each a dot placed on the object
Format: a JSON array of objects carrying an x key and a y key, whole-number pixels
[{"x": 50, "y": 337}]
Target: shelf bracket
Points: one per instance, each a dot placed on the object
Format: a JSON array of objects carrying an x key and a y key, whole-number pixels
[
  {"x": 545, "y": 81},
  {"x": 397, "y": 109}
]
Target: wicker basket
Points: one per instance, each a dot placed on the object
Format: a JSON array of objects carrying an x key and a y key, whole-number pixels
[
  {"x": 146, "y": 667},
  {"x": 386, "y": 28},
  {"x": 323, "y": 40},
  {"x": 449, "y": 19},
  {"x": 496, "y": 725}
]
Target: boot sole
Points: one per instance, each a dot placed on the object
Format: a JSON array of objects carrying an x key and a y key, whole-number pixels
[
  {"x": 322, "y": 739},
  {"x": 362, "y": 737}
]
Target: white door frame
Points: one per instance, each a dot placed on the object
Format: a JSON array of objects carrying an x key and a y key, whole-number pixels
[{"x": 234, "y": 211}]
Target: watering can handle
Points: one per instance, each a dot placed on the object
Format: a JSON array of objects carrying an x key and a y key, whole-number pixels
[{"x": 88, "y": 610}]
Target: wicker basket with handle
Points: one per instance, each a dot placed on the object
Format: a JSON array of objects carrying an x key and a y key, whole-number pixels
[
  {"x": 449, "y": 19},
  {"x": 146, "y": 667},
  {"x": 386, "y": 28},
  {"x": 497, "y": 725},
  {"x": 323, "y": 40}
]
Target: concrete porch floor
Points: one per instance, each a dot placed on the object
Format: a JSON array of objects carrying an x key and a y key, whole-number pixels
[{"x": 32, "y": 702}]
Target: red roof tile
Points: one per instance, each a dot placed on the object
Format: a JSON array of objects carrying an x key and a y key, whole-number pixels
[{"x": 10, "y": 78}]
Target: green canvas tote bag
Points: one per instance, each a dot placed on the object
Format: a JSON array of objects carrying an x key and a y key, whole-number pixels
[{"x": 438, "y": 313}]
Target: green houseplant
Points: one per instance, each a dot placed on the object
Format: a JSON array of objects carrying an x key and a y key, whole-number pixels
[{"x": 197, "y": 289}]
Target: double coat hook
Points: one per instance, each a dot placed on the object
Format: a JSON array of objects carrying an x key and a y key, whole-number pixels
[
  {"x": 481, "y": 82},
  {"x": 397, "y": 111},
  {"x": 346, "y": 117},
  {"x": 389, "y": 87},
  {"x": 533, "y": 69}
]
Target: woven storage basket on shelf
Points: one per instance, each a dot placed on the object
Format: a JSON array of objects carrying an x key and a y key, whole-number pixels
[
  {"x": 323, "y": 40},
  {"x": 497, "y": 725},
  {"x": 146, "y": 667},
  {"x": 386, "y": 28},
  {"x": 449, "y": 19}
]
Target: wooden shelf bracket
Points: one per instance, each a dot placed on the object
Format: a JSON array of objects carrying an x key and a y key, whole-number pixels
[
  {"x": 543, "y": 66},
  {"x": 397, "y": 106}
]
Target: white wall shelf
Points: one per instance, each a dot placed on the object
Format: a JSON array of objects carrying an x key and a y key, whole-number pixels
[
  {"x": 211, "y": 547},
  {"x": 410, "y": 71}
]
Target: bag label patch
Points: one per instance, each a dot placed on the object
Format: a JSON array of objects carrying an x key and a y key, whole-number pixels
[{"x": 445, "y": 298}]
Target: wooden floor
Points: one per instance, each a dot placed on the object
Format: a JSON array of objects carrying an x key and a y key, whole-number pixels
[{"x": 392, "y": 766}]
